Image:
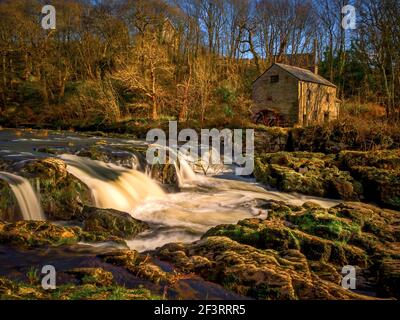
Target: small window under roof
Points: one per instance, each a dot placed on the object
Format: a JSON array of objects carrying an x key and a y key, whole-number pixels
[{"x": 275, "y": 79}]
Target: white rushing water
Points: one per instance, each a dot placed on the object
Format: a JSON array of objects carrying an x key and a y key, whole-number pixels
[
  {"x": 112, "y": 186},
  {"x": 28, "y": 201},
  {"x": 184, "y": 172},
  {"x": 204, "y": 202},
  {"x": 208, "y": 202}
]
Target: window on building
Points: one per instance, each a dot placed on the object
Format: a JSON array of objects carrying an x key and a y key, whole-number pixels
[
  {"x": 274, "y": 79},
  {"x": 328, "y": 98}
]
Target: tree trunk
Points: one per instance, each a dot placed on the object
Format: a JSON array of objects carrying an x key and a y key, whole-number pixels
[{"x": 154, "y": 114}]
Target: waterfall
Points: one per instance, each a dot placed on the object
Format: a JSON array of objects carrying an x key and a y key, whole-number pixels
[
  {"x": 27, "y": 199},
  {"x": 112, "y": 186},
  {"x": 184, "y": 172}
]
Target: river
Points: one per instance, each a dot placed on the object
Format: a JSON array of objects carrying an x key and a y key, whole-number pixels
[{"x": 180, "y": 215}]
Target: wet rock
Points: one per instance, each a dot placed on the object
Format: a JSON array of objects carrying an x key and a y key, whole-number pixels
[
  {"x": 107, "y": 154},
  {"x": 307, "y": 173},
  {"x": 379, "y": 173},
  {"x": 380, "y": 185},
  {"x": 62, "y": 195},
  {"x": 39, "y": 233},
  {"x": 95, "y": 276},
  {"x": 298, "y": 252},
  {"x": 260, "y": 274},
  {"x": 271, "y": 139},
  {"x": 117, "y": 223},
  {"x": 121, "y": 257},
  {"x": 8, "y": 203},
  {"x": 164, "y": 173},
  {"x": 140, "y": 265},
  {"x": 389, "y": 278},
  {"x": 381, "y": 159},
  {"x": 10, "y": 290}
]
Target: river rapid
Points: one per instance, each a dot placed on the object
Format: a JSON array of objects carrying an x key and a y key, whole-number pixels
[{"x": 180, "y": 215}]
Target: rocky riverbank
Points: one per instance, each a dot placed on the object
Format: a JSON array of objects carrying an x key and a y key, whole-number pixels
[
  {"x": 285, "y": 251},
  {"x": 349, "y": 175},
  {"x": 297, "y": 252}
]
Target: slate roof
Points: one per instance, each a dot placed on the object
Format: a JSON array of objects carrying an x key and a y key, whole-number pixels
[{"x": 305, "y": 75}]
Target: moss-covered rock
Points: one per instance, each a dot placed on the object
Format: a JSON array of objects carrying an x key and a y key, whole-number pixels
[
  {"x": 380, "y": 185},
  {"x": 62, "y": 195},
  {"x": 339, "y": 135},
  {"x": 120, "y": 224},
  {"x": 140, "y": 265},
  {"x": 277, "y": 236},
  {"x": 8, "y": 203},
  {"x": 39, "y": 233},
  {"x": 260, "y": 274},
  {"x": 379, "y": 173},
  {"x": 11, "y": 290},
  {"x": 381, "y": 159},
  {"x": 95, "y": 276},
  {"x": 307, "y": 173},
  {"x": 298, "y": 252},
  {"x": 271, "y": 139},
  {"x": 107, "y": 154}
]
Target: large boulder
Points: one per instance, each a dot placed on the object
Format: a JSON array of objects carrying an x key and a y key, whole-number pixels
[
  {"x": 308, "y": 173},
  {"x": 379, "y": 173},
  {"x": 117, "y": 223},
  {"x": 62, "y": 195}
]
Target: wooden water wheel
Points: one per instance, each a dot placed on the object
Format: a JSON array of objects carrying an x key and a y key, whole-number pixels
[{"x": 269, "y": 118}]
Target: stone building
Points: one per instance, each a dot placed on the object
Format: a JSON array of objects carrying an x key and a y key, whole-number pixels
[{"x": 285, "y": 95}]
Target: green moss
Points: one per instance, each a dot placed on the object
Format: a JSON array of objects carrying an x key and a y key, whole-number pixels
[
  {"x": 380, "y": 185},
  {"x": 307, "y": 173},
  {"x": 62, "y": 195},
  {"x": 239, "y": 233},
  {"x": 39, "y": 233},
  {"x": 265, "y": 291},
  {"x": 326, "y": 225},
  {"x": 381, "y": 159},
  {"x": 8, "y": 203},
  {"x": 18, "y": 291}
]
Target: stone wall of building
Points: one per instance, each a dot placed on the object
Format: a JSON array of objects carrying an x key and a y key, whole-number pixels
[
  {"x": 299, "y": 102},
  {"x": 281, "y": 96},
  {"x": 317, "y": 103}
]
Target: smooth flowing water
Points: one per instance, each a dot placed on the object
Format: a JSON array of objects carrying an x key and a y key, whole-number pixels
[
  {"x": 28, "y": 201},
  {"x": 113, "y": 186},
  {"x": 202, "y": 203},
  {"x": 208, "y": 202}
]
